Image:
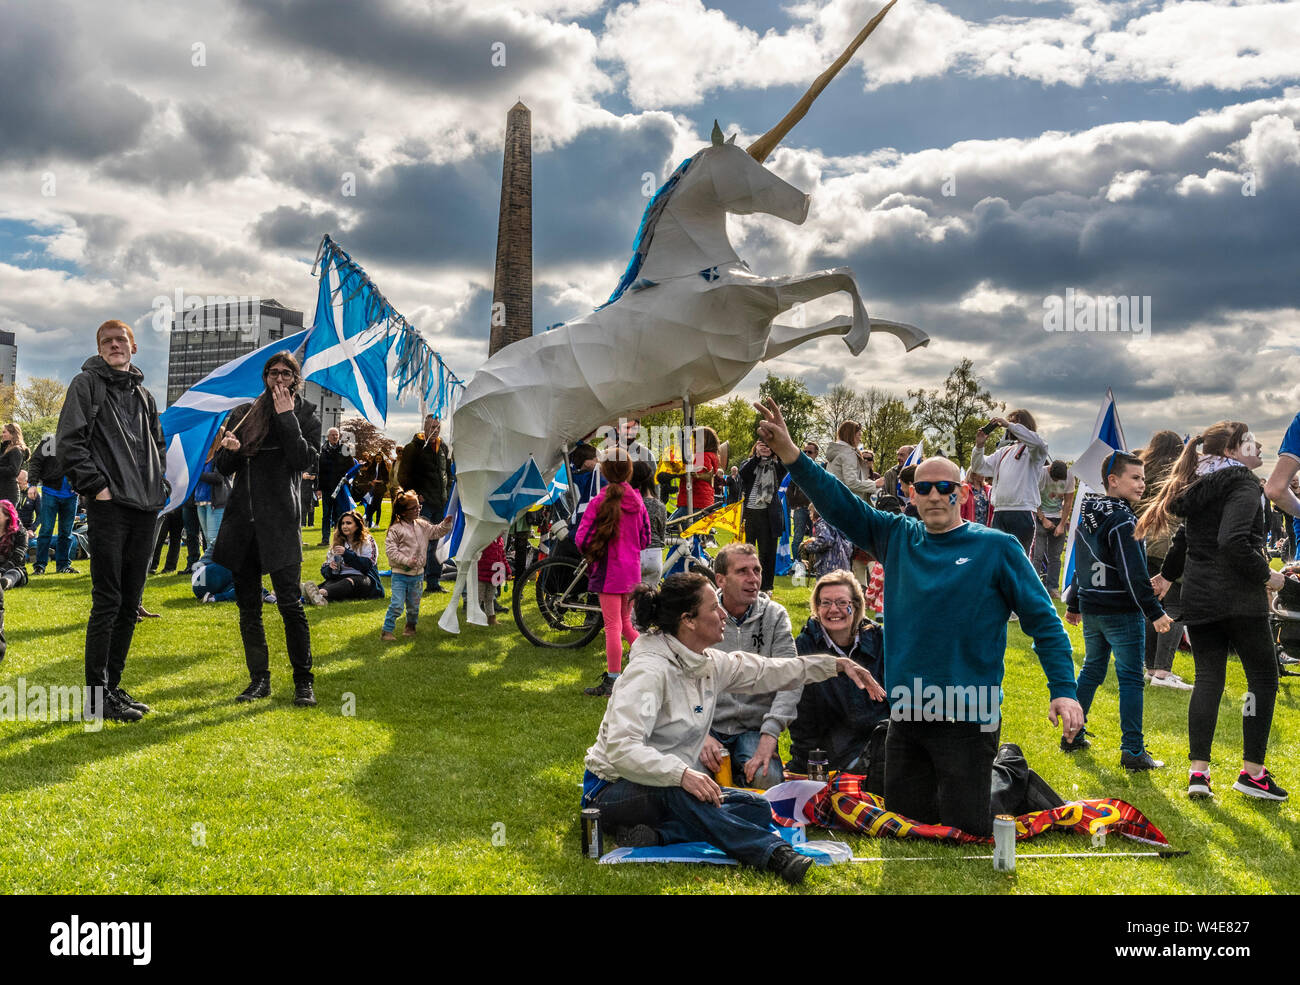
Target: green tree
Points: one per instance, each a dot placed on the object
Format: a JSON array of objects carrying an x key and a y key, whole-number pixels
[
  {"x": 797, "y": 405},
  {"x": 734, "y": 420},
  {"x": 951, "y": 417},
  {"x": 839, "y": 404},
  {"x": 888, "y": 428},
  {"x": 39, "y": 397}
]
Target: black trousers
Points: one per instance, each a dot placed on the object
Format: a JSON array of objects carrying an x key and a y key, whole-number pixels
[
  {"x": 758, "y": 531},
  {"x": 1019, "y": 523},
  {"x": 285, "y": 582},
  {"x": 340, "y": 587},
  {"x": 170, "y": 527},
  {"x": 193, "y": 535},
  {"x": 1254, "y": 644},
  {"x": 939, "y": 773},
  {"x": 121, "y": 540}
]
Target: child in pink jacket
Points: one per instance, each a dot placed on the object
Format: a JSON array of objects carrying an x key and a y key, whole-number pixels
[
  {"x": 614, "y": 530},
  {"x": 407, "y": 547}
]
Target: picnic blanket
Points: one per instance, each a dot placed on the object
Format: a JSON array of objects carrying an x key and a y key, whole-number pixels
[{"x": 844, "y": 803}]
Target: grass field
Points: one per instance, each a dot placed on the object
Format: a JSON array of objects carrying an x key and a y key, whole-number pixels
[{"x": 459, "y": 770}]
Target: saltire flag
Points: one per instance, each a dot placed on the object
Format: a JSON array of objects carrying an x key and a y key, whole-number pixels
[
  {"x": 449, "y": 545},
  {"x": 1107, "y": 438},
  {"x": 915, "y": 458},
  {"x": 784, "y": 562},
  {"x": 524, "y": 487},
  {"x": 557, "y": 488},
  {"x": 347, "y": 351},
  {"x": 190, "y": 425},
  {"x": 343, "y": 499}
]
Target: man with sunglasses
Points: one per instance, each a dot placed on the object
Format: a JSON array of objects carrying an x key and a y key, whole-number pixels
[{"x": 949, "y": 588}]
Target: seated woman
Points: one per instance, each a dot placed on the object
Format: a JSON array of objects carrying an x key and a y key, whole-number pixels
[
  {"x": 644, "y": 772},
  {"x": 213, "y": 583},
  {"x": 350, "y": 570},
  {"x": 840, "y": 720},
  {"x": 13, "y": 547}
]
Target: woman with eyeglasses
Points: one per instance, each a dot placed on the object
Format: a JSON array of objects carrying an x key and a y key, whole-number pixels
[
  {"x": 1219, "y": 552},
  {"x": 269, "y": 444},
  {"x": 644, "y": 772},
  {"x": 841, "y": 720}
]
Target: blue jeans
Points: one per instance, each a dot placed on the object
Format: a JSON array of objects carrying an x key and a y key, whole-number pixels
[
  {"x": 210, "y": 520},
  {"x": 800, "y": 525},
  {"x": 1125, "y": 634},
  {"x": 406, "y": 593},
  {"x": 740, "y": 827},
  {"x": 64, "y": 511},
  {"x": 742, "y": 747}
]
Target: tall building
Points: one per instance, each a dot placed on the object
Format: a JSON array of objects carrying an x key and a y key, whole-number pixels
[
  {"x": 211, "y": 336},
  {"x": 8, "y": 359},
  {"x": 512, "y": 285}
]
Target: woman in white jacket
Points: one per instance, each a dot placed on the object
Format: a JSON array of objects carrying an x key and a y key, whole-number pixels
[
  {"x": 644, "y": 772},
  {"x": 844, "y": 462},
  {"x": 1015, "y": 470}
]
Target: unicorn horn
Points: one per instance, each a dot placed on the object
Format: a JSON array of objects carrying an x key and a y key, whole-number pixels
[{"x": 762, "y": 148}]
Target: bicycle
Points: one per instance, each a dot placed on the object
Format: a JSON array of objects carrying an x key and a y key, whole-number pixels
[{"x": 553, "y": 607}]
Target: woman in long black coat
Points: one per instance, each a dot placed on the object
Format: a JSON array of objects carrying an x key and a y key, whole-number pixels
[{"x": 269, "y": 445}]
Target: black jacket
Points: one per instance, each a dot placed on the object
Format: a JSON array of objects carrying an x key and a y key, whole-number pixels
[
  {"x": 265, "y": 502},
  {"x": 1110, "y": 571},
  {"x": 43, "y": 468},
  {"x": 1219, "y": 551},
  {"x": 333, "y": 466},
  {"x": 17, "y": 556},
  {"x": 427, "y": 471},
  {"x": 220, "y": 486},
  {"x": 748, "y": 472},
  {"x": 836, "y": 715},
  {"x": 12, "y": 461},
  {"x": 109, "y": 437}
]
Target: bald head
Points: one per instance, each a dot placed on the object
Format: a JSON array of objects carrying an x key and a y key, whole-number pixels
[{"x": 937, "y": 468}]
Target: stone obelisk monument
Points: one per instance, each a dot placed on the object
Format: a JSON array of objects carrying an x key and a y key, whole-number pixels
[{"x": 512, "y": 286}]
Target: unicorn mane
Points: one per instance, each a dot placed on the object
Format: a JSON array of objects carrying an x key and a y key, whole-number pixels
[{"x": 646, "y": 231}]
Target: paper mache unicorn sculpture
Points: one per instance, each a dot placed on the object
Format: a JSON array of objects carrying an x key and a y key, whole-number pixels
[{"x": 688, "y": 321}]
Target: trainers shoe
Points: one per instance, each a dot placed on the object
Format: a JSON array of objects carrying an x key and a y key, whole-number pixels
[
  {"x": 1265, "y": 788},
  {"x": 1198, "y": 786},
  {"x": 260, "y": 688},
  {"x": 111, "y": 707},
  {"x": 603, "y": 689},
  {"x": 303, "y": 696},
  {"x": 387, "y": 636},
  {"x": 1173, "y": 681},
  {"x": 637, "y": 836},
  {"x": 311, "y": 593},
  {"x": 408, "y": 630},
  {"x": 1142, "y": 761},
  {"x": 1282, "y": 658},
  {"x": 130, "y": 702},
  {"x": 67, "y": 569},
  {"x": 789, "y": 864},
  {"x": 1080, "y": 741}
]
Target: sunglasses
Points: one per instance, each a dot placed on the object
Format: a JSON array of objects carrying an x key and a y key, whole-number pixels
[{"x": 945, "y": 487}]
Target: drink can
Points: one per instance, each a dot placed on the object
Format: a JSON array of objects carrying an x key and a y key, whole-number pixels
[
  {"x": 1004, "y": 843},
  {"x": 817, "y": 766},
  {"x": 593, "y": 838},
  {"x": 723, "y": 775}
]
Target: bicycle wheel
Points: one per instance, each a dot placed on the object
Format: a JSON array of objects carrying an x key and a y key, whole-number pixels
[{"x": 552, "y": 606}]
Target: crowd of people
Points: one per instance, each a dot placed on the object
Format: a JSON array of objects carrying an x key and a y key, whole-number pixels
[{"x": 714, "y": 673}]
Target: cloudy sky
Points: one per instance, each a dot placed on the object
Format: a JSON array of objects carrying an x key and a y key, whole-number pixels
[{"x": 974, "y": 159}]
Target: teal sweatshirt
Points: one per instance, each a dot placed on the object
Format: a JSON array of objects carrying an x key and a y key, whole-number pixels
[{"x": 947, "y": 600}]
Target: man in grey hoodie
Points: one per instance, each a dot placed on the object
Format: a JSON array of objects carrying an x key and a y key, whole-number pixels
[{"x": 747, "y": 726}]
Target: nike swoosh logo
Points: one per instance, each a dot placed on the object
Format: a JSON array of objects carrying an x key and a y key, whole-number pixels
[{"x": 962, "y": 560}]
